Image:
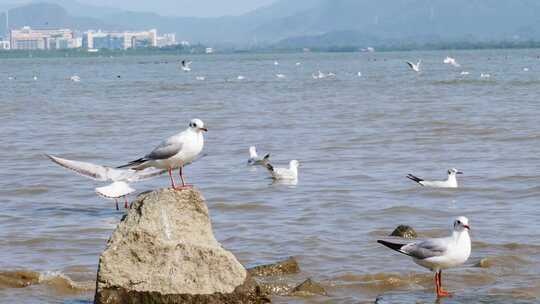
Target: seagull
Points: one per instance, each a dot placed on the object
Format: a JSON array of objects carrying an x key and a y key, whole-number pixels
[
  {"x": 451, "y": 182},
  {"x": 451, "y": 61},
  {"x": 298, "y": 64},
  {"x": 276, "y": 62},
  {"x": 290, "y": 173},
  {"x": 319, "y": 75},
  {"x": 415, "y": 67},
  {"x": 465, "y": 73},
  {"x": 121, "y": 178},
  {"x": 35, "y": 77},
  {"x": 200, "y": 78},
  {"x": 240, "y": 77},
  {"x": 525, "y": 69},
  {"x": 281, "y": 76},
  {"x": 75, "y": 78},
  {"x": 254, "y": 158},
  {"x": 439, "y": 253},
  {"x": 175, "y": 152},
  {"x": 359, "y": 74},
  {"x": 186, "y": 66},
  {"x": 11, "y": 77},
  {"x": 485, "y": 75}
]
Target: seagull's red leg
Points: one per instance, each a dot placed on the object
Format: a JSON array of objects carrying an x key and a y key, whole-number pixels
[
  {"x": 126, "y": 205},
  {"x": 116, "y": 201},
  {"x": 440, "y": 291},
  {"x": 184, "y": 185},
  {"x": 172, "y": 179}
]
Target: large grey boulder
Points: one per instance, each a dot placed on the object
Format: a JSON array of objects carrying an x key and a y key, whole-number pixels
[{"x": 164, "y": 251}]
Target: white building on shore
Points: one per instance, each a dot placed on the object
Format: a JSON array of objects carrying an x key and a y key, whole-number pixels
[
  {"x": 28, "y": 38},
  {"x": 119, "y": 40}
]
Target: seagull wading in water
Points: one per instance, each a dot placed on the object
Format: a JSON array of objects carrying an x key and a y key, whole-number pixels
[
  {"x": 121, "y": 178},
  {"x": 175, "y": 152},
  {"x": 451, "y": 182},
  {"x": 439, "y": 253}
]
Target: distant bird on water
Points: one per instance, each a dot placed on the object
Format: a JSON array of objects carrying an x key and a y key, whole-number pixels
[
  {"x": 121, "y": 178},
  {"x": 451, "y": 61},
  {"x": 290, "y": 173},
  {"x": 415, "y": 67},
  {"x": 186, "y": 66},
  {"x": 254, "y": 158},
  {"x": 437, "y": 254},
  {"x": 175, "y": 152},
  {"x": 451, "y": 182}
]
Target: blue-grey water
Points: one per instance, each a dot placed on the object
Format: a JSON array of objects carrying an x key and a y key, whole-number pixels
[{"x": 356, "y": 138}]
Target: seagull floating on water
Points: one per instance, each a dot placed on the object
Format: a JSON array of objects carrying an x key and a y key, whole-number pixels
[
  {"x": 298, "y": 64},
  {"x": 281, "y": 76},
  {"x": 485, "y": 75},
  {"x": 415, "y": 67},
  {"x": 175, "y": 152},
  {"x": 290, "y": 173},
  {"x": 465, "y": 73},
  {"x": 200, "y": 78},
  {"x": 276, "y": 62},
  {"x": 75, "y": 78},
  {"x": 121, "y": 178},
  {"x": 439, "y": 253},
  {"x": 186, "y": 66},
  {"x": 451, "y": 182},
  {"x": 451, "y": 61},
  {"x": 254, "y": 158}
]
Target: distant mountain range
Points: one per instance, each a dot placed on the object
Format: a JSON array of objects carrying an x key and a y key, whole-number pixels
[{"x": 310, "y": 23}]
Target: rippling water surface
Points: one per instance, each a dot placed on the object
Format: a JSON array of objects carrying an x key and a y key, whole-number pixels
[{"x": 356, "y": 139}]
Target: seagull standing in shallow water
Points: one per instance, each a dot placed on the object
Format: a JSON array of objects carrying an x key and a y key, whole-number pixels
[
  {"x": 121, "y": 178},
  {"x": 175, "y": 152},
  {"x": 451, "y": 182},
  {"x": 439, "y": 253},
  {"x": 254, "y": 158},
  {"x": 415, "y": 67}
]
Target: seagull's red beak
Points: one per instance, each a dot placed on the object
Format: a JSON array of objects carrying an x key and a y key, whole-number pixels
[
  {"x": 467, "y": 226},
  {"x": 203, "y": 129}
]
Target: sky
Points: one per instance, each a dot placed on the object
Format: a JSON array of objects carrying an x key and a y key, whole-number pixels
[{"x": 198, "y": 8}]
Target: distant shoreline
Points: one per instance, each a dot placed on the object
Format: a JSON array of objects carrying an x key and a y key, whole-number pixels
[{"x": 199, "y": 50}]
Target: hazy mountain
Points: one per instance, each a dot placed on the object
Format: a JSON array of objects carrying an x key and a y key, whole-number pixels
[{"x": 313, "y": 22}]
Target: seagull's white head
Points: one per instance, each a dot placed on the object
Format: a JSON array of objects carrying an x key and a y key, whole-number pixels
[
  {"x": 197, "y": 125},
  {"x": 461, "y": 223},
  {"x": 252, "y": 152},
  {"x": 294, "y": 164},
  {"x": 454, "y": 171}
]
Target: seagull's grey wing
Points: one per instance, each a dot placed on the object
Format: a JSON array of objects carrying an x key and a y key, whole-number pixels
[
  {"x": 426, "y": 249},
  {"x": 90, "y": 170},
  {"x": 166, "y": 149}
]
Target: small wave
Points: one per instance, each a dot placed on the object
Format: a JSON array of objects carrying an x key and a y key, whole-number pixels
[
  {"x": 55, "y": 279},
  {"x": 503, "y": 261},
  {"x": 247, "y": 206}
]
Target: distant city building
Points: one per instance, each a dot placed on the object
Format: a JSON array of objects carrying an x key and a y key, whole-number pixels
[
  {"x": 4, "y": 45},
  {"x": 27, "y": 38},
  {"x": 209, "y": 50},
  {"x": 119, "y": 40},
  {"x": 166, "y": 40}
]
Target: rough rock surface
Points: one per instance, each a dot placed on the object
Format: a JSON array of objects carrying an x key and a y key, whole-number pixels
[
  {"x": 288, "y": 266},
  {"x": 164, "y": 251},
  {"x": 404, "y": 231},
  {"x": 309, "y": 288}
]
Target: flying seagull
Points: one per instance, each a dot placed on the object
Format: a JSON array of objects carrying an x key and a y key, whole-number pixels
[
  {"x": 451, "y": 182},
  {"x": 415, "y": 67},
  {"x": 254, "y": 158},
  {"x": 120, "y": 178},
  {"x": 451, "y": 61},
  {"x": 439, "y": 253},
  {"x": 290, "y": 173},
  {"x": 175, "y": 152}
]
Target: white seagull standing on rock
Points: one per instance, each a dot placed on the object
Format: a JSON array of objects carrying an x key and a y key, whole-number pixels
[
  {"x": 415, "y": 67},
  {"x": 451, "y": 182},
  {"x": 254, "y": 158},
  {"x": 175, "y": 152},
  {"x": 120, "y": 178},
  {"x": 439, "y": 253},
  {"x": 290, "y": 173}
]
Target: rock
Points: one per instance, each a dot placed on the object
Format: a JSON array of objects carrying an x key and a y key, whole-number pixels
[
  {"x": 404, "y": 231},
  {"x": 288, "y": 266},
  {"x": 164, "y": 251},
  {"x": 18, "y": 279},
  {"x": 308, "y": 288}
]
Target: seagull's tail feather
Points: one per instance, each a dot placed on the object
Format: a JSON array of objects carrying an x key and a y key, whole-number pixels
[
  {"x": 133, "y": 163},
  {"x": 393, "y": 246},
  {"x": 415, "y": 178}
]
